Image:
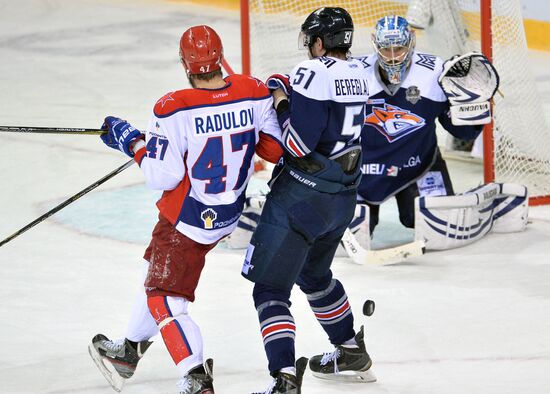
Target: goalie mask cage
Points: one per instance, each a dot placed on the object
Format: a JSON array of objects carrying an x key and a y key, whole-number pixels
[{"x": 516, "y": 145}]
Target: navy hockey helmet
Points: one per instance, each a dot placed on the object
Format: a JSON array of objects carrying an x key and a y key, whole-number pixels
[{"x": 332, "y": 24}]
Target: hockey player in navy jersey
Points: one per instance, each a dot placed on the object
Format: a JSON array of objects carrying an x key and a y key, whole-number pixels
[
  {"x": 310, "y": 205},
  {"x": 400, "y": 153}
]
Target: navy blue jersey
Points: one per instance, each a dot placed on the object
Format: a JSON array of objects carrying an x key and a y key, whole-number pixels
[
  {"x": 399, "y": 141},
  {"x": 327, "y": 106}
]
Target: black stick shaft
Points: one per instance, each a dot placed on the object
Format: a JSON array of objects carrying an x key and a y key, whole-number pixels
[
  {"x": 67, "y": 202},
  {"x": 51, "y": 130}
]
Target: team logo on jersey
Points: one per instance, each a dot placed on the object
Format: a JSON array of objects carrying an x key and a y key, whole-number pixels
[
  {"x": 412, "y": 94},
  {"x": 208, "y": 216},
  {"x": 427, "y": 61},
  {"x": 167, "y": 97},
  {"x": 393, "y": 122}
]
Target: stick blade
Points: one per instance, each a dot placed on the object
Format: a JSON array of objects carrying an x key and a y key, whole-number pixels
[{"x": 396, "y": 254}]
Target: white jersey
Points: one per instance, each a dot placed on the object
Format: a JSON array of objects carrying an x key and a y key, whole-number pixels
[{"x": 200, "y": 145}]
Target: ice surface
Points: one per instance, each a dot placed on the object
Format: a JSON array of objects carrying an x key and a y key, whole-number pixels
[{"x": 473, "y": 320}]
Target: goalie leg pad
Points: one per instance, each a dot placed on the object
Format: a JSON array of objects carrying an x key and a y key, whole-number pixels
[{"x": 449, "y": 222}]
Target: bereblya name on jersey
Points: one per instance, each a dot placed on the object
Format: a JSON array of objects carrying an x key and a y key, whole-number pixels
[
  {"x": 226, "y": 121},
  {"x": 351, "y": 87}
]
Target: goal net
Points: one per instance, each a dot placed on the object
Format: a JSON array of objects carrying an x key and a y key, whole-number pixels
[{"x": 520, "y": 135}]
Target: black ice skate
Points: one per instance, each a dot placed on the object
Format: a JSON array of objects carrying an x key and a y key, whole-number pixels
[
  {"x": 350, "y": 363},
  {"x": 116, "y": 360},
  {"x": 199, "y": 380},
  {"x": 284, "y": 383}
]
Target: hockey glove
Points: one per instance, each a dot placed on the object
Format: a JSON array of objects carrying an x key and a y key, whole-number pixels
[
  {"x": 469, "y": 82},
  {"x": 120, "y": 134},
  {"x": 279, "y": 81}
]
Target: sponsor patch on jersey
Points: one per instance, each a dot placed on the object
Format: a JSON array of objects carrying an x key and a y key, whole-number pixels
[
  {"x": 392, "y": 171},
  {"x": 208, "y": 217},
  {"x": 432, "y": 184},
  {"x": 412, "y": 162},
  {"x": 379, "y": 169},
  {"x": 394, "y": 122},
  {"x": 412, "y": 94}
]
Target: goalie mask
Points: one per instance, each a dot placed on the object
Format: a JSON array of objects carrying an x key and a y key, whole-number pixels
[
  {"x": 201, "y": 50},
  {"x": 332, "y": 24},
  {"x": 394, "y": 44}
]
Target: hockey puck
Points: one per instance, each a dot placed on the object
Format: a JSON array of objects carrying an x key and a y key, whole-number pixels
[{"x": 368, "y": 308}]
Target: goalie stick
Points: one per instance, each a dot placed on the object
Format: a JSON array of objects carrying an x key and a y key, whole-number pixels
[
  {"x": 360, "y": 255},
  {"x": 51, "y": 130},
  {"x": 67, "y": 202}
]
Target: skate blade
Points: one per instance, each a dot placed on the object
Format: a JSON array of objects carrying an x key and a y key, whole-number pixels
[
  {"x": 111, "y": 375},
  {"x": 348, "y": 376}
]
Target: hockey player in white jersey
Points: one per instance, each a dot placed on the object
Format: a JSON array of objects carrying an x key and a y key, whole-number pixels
[
  {"x": 198, "y": 149},
  {"x": 401, "y": 158}
]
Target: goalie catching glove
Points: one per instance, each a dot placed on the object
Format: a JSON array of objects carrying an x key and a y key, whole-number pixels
[{"x": 469, "y": 82}]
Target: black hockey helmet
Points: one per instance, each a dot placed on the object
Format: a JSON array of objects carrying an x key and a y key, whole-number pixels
[{"x": 332, "y": 24}]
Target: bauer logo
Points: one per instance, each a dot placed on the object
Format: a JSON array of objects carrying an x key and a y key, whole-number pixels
[
  {"x": 393, "y": 122},
  {"x": 208, "y": 217}
]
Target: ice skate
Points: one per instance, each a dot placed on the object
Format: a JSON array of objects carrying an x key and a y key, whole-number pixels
[
  {"x": 284, "y": 383},
  {"x": 116, "y": 360},
  {"x": 349, "y": 363},
  {"x": 199, "y": 380}
]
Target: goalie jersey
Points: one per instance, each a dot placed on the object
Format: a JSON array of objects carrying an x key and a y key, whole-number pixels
[
  {"x": 399, "y": 140},
  {"x": 200, "y": 145}
]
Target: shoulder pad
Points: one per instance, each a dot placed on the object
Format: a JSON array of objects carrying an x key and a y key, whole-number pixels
[
  {"x": 254, "y": 86},
  {"x": 170, "y": 102},
  {"x": 365, "y": 60},
  {"x": 430, "y": 62}
]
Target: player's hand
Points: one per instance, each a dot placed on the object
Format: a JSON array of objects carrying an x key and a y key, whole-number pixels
[
  {"x": 279, "y": 81},
  {"x": 120, "y": 135}
]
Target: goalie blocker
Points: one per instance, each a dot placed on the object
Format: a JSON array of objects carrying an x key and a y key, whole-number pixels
[{"x": 447, "y": 222}]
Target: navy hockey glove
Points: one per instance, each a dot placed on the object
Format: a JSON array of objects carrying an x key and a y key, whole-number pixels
[
  {"x": 120, "y": 134},
  {"x": 279, "y": 81}
]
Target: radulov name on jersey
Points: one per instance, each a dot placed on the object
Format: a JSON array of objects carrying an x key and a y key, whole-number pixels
[
  {"x": 226, "y": 121},
  {"x": 351, "y": 87}
]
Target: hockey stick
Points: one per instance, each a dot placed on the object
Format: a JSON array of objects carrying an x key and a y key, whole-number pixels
[
  {"x": 51, "y": 130},
  {"x": 68, "y": 201},
  {"x": 360, "y": 255}
]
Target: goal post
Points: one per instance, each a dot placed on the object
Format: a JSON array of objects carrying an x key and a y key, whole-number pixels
[{"x": 514, "y": 146}]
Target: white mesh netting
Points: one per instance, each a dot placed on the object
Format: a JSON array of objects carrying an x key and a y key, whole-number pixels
[{"x": 451, "y": 27}]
